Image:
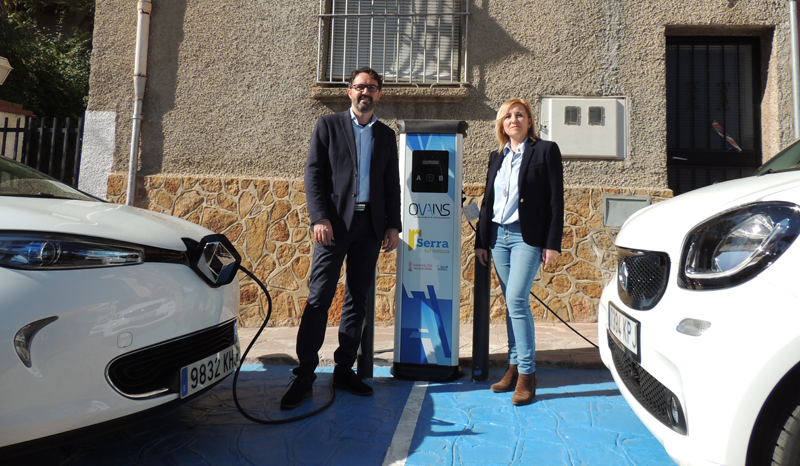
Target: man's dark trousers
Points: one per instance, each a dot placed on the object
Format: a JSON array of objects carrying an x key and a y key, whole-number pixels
[{"x": 361, "y": 247}]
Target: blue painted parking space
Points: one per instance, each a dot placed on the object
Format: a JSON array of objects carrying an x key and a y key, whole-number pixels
[{"x": 578, "y": 418}]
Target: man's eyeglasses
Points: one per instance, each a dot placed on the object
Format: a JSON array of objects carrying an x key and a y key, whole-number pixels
[{"x": 369, "y": 87}]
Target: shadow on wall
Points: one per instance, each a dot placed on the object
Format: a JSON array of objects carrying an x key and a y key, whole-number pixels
[
  {"x": 166, "y": 36},
  {"x": 490, "y": 43}
]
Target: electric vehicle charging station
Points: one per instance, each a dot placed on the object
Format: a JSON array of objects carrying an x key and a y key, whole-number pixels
[{"x": 427, "y": 308}]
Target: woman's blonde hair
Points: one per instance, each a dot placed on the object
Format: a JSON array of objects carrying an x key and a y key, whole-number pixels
[{"x": 502, "y": 137}]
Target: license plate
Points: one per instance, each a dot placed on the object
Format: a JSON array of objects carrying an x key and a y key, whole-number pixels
[
  {"x": 208, "y": 370},
  {"x": 626, "y": 331}
]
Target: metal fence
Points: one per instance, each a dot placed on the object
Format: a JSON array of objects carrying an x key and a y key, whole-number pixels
[{"x": 50, "y": 145}]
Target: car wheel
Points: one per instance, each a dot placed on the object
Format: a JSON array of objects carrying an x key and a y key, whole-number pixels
[{"x": 787, "y": 445}]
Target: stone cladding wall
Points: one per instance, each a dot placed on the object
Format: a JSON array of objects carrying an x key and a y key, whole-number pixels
[{"x": 267, "y": 221}]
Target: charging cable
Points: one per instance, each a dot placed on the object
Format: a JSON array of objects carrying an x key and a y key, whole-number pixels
[
  {"x": 242, "y": 358},
  {"x": 471, "y": 212}
]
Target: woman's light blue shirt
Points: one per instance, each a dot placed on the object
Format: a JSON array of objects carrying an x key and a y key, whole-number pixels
[{"x": 506, "y": 186}]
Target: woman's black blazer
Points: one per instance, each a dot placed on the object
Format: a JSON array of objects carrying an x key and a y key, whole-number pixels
[{"x": 541, "y": 196}]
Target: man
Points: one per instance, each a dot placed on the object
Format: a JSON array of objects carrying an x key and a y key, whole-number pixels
[{"x": 353, "y": 195}]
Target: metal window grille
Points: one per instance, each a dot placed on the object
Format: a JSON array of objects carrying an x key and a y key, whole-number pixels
[
  {"x": 712, "y": 82},
  {"x": 406, "y": 41}
]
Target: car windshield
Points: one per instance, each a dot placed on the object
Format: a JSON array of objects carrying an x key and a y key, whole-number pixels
[
  {"x": 786, "y": 160},
  {"x": 20, "y": 180}
]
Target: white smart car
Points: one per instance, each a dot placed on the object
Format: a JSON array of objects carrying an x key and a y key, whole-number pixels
[
  {"x": 107, "y": 312},
  {"x": 700, "y": 326}
]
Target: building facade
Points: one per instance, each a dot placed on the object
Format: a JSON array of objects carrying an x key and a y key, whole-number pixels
[{"x": 645, "y": 98}]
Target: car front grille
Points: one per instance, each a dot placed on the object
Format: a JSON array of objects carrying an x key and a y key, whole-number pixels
[
  {"x": 641, "y": 277},
  {"x": 648, "y": 391},
  {"x": 154, "y": 371}
]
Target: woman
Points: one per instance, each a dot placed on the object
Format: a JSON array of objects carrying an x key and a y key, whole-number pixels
[{"x": 521, "y": 221}]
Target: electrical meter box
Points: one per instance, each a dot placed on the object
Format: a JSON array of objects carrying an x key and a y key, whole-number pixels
[
  {"x": 586, "y": 127},
  {"x": 427, "y": 306}
]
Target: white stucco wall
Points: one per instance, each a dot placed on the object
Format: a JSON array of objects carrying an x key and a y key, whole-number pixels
[
  {"x": 231, "y": 85},
  {"x": 97, "y": 154}
]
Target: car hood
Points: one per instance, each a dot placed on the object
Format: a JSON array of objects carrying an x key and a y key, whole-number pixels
[
  {"x": 99, "y": 220},
  {"x": 663, "y": 226}
]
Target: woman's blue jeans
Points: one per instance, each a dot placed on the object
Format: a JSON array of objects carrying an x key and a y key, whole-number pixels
[{"x": 516, "y": 264}]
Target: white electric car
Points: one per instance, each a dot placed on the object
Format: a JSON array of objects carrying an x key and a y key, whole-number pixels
[
  {"x": 107, "y": 312},
  {"x": 701, "y": 325}
]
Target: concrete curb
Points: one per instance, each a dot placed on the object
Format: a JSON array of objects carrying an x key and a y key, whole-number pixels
[{"x": 557, "y": 347}]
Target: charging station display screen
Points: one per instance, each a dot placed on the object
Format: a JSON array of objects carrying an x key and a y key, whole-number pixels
[{"x": 429, "y": 171}]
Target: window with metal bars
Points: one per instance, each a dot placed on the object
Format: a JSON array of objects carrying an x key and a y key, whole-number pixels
[
  {"x": 407, "y": 41},
  {"x": 713, "y": 118}
]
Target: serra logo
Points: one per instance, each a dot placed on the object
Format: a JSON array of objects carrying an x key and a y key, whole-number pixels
[{"x": 415, "y": 240}]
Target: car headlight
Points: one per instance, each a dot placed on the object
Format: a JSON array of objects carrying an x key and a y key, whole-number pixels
[
  {"x": 54, "y": 251},
  {"x": 735, "y": 246}
]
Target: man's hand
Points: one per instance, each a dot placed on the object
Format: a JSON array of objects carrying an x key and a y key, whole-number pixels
[
  {"x": 391, "y": 238},
  {"x": 323, "y": 232},
  {"x": 482, "y": 255},
  {"x": 549, "y": 255}
]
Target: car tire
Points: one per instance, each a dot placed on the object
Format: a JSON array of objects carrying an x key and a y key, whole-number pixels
[{"x": 787, "y": 445}]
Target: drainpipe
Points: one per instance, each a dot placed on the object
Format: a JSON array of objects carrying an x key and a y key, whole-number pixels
[
  {"x": 139, "y": 78},
  {"x": 795, "y": 67}
]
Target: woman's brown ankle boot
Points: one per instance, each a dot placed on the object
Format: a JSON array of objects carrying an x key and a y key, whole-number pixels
[
  {"x": 509, "y": 381},
  {"x": 525, "y": 391}
]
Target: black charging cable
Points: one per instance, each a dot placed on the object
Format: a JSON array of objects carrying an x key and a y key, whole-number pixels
[
  {"x": 241, "y": 363},
  {"x": 333, "y": 392},
  {"x": 564, "y": 322},
  {"x": 464, "y": 199}
]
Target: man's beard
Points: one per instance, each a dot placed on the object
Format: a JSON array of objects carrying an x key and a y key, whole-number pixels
[{"x": 365, "y": 104}]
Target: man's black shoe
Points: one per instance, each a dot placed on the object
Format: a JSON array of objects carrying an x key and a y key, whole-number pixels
[
  {"x": 348, "y": 380},
  {"x": 299, "y": 391}
]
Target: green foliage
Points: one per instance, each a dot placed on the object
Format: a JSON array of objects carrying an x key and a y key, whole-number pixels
[
  {"x": 51, "y": 72},
  {"x": 22, "y": 11}
]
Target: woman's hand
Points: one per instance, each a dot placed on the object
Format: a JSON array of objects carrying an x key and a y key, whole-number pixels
[
  {"x": 482, "y": 255},
  {"x": 547, "y": 256}
]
